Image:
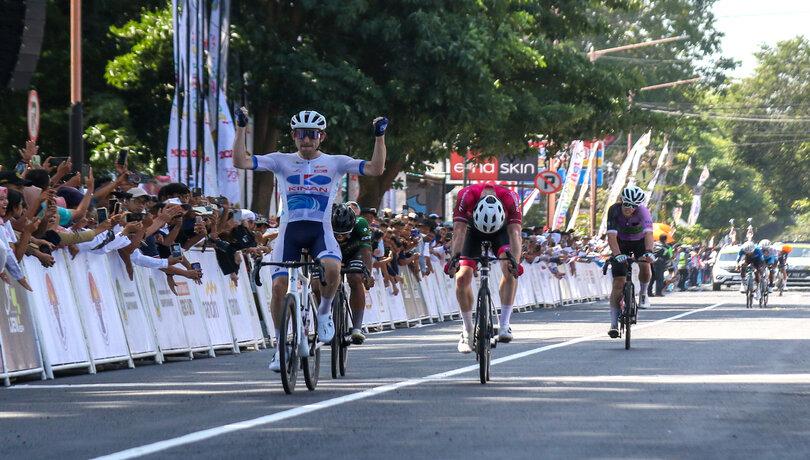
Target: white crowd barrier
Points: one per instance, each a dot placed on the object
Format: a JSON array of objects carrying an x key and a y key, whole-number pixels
[{"x": 88, "y": 310}]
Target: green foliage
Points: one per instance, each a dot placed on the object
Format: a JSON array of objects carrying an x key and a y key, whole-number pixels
[{"x": 695, "y": 234}]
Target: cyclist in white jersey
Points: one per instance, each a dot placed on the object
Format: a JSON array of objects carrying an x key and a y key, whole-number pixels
[{"x": 308, "y": 180}]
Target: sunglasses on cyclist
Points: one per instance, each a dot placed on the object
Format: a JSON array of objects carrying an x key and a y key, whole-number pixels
[
  {"x": 301, "y": 133},
  {"x": 629, "y": 205}
]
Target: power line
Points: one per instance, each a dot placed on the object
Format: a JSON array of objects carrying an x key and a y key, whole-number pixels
[{"x": 725, "y": 117}]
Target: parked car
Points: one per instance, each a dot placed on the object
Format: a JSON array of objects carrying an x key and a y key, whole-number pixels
[
  {"x": 798, "y": 269},
  {"x": 724, "y": 270}
]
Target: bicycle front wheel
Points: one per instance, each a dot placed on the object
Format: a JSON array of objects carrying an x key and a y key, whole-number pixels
[
  {"x": 630, "y": 312},
  {"x": 288, "y": 344},
  {"x": 338, "y": 310},
  {"x": 311, "y": 364},
  {"x": 483, "y": 334}
]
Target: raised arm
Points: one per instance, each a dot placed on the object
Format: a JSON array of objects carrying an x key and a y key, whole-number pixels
[
  {"x": 241, "y": 159},
  {"x": 376, "y": 166}
]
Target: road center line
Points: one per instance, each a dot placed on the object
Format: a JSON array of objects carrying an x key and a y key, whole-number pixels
[{"x": 309, "y": 408}]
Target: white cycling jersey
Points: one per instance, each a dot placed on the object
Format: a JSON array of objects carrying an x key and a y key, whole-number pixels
[{"x": 308, "y": 187}]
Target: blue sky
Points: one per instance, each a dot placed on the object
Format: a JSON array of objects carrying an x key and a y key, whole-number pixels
[{"x": 749, "y": 23}]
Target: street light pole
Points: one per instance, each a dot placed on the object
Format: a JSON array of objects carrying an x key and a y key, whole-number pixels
[
  {"x": 76, "y": 142},
  {"x": 593, "y": 55}
]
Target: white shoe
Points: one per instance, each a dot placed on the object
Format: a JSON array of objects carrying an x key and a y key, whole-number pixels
[
  {"x": 505, "y": 334},
  {"x": 275, "y": 364},
  {"x": 645, "y": 303},
  {"x": 464, "y": 345},
  {"x": 326, "y": 328},
  {"x": 742, "y": 289}
]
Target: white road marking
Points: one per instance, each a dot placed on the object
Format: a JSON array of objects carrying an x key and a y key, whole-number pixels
[{"x": 309, "y": 408}]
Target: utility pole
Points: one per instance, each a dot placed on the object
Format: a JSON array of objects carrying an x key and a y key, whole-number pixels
[
  {"x": 76, "y": 142},
  {"x": 593, "y": 55}
]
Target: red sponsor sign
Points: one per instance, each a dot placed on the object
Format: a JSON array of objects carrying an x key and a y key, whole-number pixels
[{"x": 485, "y": 170}]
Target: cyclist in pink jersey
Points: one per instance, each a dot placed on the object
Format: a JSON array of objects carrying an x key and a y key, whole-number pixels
[{"x": 495, "y": 214}]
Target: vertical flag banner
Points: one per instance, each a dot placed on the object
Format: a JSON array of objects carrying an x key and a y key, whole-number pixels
[
  {"x": 570, "y": 186},
  {"x": 621, "y": 177},
  {"x": 585, "y": 181},
  {"x": 694, "y": 211},
  {"x": 175, "y": 160},
  {"x": 686, "y": 170},
  {"x": 657, "y": 173}
]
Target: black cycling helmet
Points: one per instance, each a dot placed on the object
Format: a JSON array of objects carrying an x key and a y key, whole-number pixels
[{"x": 343, "y": 218}]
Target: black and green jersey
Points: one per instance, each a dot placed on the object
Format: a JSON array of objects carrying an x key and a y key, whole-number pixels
[{"x": 358, "y": 239}]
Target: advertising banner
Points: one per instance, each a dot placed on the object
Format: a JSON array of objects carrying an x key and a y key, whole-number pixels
[
  {"x": 18, "y": 341},
  {"x": 192, "y": 313},
  {"x": 138, "y": 330},
  {"x": 95, "y": 298},
  {"x": 570, "y": 185},
  {"x": 211, "y": 302},
  {"x": 161, "y": 305},
  {"x": 242, "y": 314},
  {"x": 60, "y": 328},
  {"x": 515, "y": 168},
  {"x": 246, "y": 298}
]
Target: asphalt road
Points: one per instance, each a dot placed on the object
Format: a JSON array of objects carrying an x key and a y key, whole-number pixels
[{"x": 705, "y": 378}]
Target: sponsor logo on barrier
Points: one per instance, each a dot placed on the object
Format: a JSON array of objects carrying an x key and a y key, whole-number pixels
[
  {"x": 95, "y": 297},
  {"x": 119, "y": 299},
  {"x": 13, "y": 312},
  {"x": 155, "y": 298},
  {"x": 210, "y": 288},
  {"x": 182, "y": 289},
  {"x": 56, "y": 309}
]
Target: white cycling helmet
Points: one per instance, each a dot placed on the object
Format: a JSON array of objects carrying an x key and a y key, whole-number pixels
[
  {"x": 765, "y": 244},
  {"x": 489, "y": 215},
  {"x": 308, "y": 119},
  {"x": 633, "y": 196},
  {"x": 748, "y": 247}
]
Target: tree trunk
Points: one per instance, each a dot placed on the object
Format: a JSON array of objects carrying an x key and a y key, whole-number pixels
[
  {"x": 372, "y": 189},
  {"x": 264, "y": 141}
]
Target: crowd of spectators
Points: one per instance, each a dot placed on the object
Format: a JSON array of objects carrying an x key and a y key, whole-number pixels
[{"x": 148, "y": 222}]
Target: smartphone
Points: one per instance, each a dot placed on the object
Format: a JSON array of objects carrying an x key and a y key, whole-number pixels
[
  {"x": 56, "y": 161},
  {"x": 114, "y": 205},
  {"x": 202, "y": 210},
  {"x": 36, "y": 160},
  {"x": 134, "y": 217},
  {"x": 196, "y": 266},
  {"x": 101, "y": 215},
  {"x": 20, "y": 168},
  {"x": 177, "y": 250},
  {"x": 85, "y": 173},
  {"x": 122, "y": 158}
]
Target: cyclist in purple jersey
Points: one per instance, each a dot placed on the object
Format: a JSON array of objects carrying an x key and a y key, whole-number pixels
[
  {"x": 630, "y": 233},
  {"x": 308, "y": 181}
]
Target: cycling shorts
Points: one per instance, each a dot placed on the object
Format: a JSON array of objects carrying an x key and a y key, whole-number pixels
[
  {"x": 303, "y": 234},
  {"x": 633, "y": 249},
  {"x": 472, "y": 244}
]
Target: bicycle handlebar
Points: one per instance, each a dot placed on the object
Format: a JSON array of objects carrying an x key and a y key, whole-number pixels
[{"x": 257, "y": 266}]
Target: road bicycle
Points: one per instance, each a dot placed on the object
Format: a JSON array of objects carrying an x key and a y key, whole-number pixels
[
  {"x": 780, "y": 282},
  {"x": 342, "y": 316},
  {"x": 628, "y": 305},
  {"x": 298, "y": 345},
  {"x": 751, "y": 288},
  {"x": 485, "y": 337}
]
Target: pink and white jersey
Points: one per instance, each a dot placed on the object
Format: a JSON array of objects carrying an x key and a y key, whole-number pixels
[{"x": 308, "y": 187}]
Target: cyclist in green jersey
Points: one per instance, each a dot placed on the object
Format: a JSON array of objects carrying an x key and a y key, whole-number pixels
[{"x": 354, "y": 237}]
